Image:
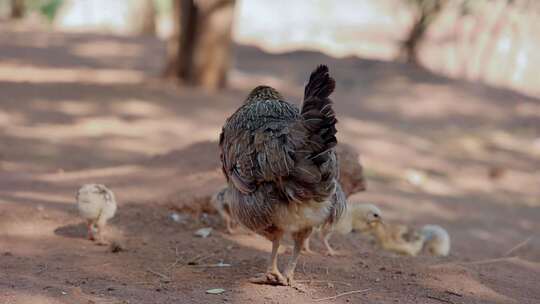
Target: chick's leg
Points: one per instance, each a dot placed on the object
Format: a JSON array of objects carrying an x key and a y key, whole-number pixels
[
  {"x": 272, "y": 276},
  {"x": 90, "y": 230},
  {"x": 230, "y": 225},
  {"x": 325, "y": 235},
  {"x": 306, "y": 247},
  {"x": 299, "y": 238},
  {"x": 100, "y": 239}
]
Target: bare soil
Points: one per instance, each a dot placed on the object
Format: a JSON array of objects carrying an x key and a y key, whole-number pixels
[{"x": 78, "y": 108}]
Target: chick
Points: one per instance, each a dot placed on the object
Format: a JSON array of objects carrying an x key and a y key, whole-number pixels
[
  {"x": 97, "y": 205},
  {"x": 351, "y": 171},
  {"x": 437, "y": 240},
  {"x": 409, "y": 241},
  {"x": 398, "y": 238},
  {"x": 357, "y": 216},
  {"x": 221, "y": 202}
]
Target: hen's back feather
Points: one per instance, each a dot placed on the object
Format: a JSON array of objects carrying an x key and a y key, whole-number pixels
[{"x": 273, "y": 153}]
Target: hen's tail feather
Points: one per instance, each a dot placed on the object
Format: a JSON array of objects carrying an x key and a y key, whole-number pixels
[
  {"x": 317, "y": 112},
  {"x": 320, "y": 83}
]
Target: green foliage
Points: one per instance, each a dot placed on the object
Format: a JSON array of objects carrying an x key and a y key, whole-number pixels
[
  {"x": 50, "y": 7},
  {"x": 47, "y": 8}
]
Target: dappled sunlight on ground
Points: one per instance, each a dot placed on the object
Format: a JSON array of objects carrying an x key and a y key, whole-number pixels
[
  {"x": 62, "y": 75},
  {"x": 77, "y": 109},
  {"x": 461, "y": 280}
]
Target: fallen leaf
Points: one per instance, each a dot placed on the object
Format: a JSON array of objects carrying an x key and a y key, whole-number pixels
[{"x": 215, "y": 291}]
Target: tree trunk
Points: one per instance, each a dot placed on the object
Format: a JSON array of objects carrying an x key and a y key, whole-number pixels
[
  {"x": 427, "y": 15},
  {"x": 17, "y": 9},
  {"x": 199, "y": 50},
  {"x": 410, "y": 46},
  {"x": 145, "y": 17}
]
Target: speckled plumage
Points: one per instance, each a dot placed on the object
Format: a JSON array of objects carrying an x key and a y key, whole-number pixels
[
  {"x": 279, "y": 160},
  {"x": 276, "y": 156}
]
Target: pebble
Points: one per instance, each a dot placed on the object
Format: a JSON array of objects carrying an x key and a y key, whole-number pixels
[{"x": 203, "y": 232}]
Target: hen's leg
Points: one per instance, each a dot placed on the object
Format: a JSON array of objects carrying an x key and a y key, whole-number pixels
[
  {"x": 228, "y": 224},
  {"x": 272, "y": 275},
  {"x": 299, "y": 238},
  {"x": 231, "y": 225}
]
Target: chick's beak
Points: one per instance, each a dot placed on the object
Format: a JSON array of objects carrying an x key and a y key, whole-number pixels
[{"x": 378, "y": 220}]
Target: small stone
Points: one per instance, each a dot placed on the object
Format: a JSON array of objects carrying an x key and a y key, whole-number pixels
[
  {"x": 178, "y": 218},
  {"x": 377, "y": 280},
  {"x": 203, "y": 232}
]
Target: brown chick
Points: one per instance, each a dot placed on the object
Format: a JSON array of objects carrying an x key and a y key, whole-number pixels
[
  {"x": 221, "y": 201},
  {"x": 281, "y": 167},
  {"x": 351, "y": 171}
]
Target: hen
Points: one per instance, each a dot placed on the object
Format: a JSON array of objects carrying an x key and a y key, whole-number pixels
[
  {"x": 281, "y": 166},
  {"x": 351, "y": 180}
]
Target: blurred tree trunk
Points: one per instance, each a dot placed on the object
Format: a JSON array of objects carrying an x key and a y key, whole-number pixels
[
  {"x": 428, "y": 11},
  {"x": 17, "y": 9},
  {"x": 145, "y": 17},
  {"x": 198, "y": 52}
]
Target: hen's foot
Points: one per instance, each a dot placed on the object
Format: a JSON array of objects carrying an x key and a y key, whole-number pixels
[
  {"x": 334, "y": 253},
  {"x": 101, "y": 242},
  {"x": 270, "y": 278},
  {"x": 308, "y": 251},
  {"x": 289, "y": 278}
]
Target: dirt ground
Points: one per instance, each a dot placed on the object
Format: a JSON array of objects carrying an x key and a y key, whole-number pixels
[{"x": 79, "y": 108}]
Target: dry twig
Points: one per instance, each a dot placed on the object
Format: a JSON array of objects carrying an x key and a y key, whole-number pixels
[
  {"x": 519, "y": 245},
  {"x": 439, "y": 299},
  {"x": 342, "y": 294},
  {"x": 161, "y": 275}
]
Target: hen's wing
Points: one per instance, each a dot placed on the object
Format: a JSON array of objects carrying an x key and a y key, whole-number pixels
[
  {"x": 273, "y": 153},
  {"x": 258, "y": 143}
]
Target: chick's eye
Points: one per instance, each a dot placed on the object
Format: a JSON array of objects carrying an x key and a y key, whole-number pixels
[{"x": 376, "y": 215}]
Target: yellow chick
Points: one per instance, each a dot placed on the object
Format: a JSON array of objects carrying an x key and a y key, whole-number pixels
[
  {"x": 408, "y": 241},
  {"x": 357, "y": 216}
]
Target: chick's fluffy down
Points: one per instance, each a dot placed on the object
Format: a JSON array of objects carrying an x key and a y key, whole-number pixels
[{"x": 96, "y": 202}]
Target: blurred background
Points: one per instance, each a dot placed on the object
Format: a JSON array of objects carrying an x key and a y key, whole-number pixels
[
  {"x": 441, "y": 98},
  {"x": 490, "y": 41}
]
